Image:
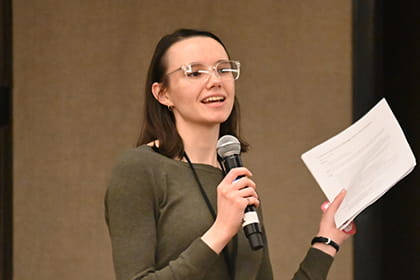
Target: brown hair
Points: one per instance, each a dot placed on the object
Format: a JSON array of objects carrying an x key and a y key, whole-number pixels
[{"x": 158, "y": 121}]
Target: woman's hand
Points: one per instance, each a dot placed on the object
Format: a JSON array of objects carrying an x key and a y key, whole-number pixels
[
  {"x": 233, "y": 196},
  {"x": 327, "y": 227}
]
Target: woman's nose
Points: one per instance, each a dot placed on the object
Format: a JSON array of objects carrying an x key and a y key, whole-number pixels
[{"x": 214, "y": 77}]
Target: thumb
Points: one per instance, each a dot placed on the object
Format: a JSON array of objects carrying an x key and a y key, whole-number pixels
[{"x": 337, "y": 201}]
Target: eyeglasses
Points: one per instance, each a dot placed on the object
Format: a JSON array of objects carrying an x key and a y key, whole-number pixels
[{"x": 226, "y": 70}]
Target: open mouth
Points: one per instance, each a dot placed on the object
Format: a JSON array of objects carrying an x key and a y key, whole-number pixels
[{"x": 213, "y": 99}]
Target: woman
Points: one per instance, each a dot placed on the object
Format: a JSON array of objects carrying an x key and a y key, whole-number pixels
[{"x": 171, "y": 212}]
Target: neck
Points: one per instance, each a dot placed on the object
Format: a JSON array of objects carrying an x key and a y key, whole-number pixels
[{"x": 200, "y": 144}]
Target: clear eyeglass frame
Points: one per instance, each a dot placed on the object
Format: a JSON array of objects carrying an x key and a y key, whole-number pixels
[{"x": 226, "y": 70}]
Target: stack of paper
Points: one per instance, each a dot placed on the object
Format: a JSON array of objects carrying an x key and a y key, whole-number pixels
[{"x": 367, "y": 159}]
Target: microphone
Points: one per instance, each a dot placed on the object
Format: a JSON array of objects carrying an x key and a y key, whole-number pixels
[{"x": 229, "y": 149}]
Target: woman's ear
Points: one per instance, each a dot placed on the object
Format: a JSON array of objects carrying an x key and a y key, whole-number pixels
[{"x": 160, "y": 93}]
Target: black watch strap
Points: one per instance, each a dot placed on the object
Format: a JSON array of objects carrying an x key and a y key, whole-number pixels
[{"x": 325, "y": 240}]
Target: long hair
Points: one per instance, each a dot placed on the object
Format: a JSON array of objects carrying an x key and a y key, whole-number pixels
[{"x": 158, "y": 121}]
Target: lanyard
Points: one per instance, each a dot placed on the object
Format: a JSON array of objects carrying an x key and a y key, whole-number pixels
[{"x": 229, "y": 259}]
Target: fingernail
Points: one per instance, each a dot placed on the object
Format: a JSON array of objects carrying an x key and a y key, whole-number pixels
[
  {"x": 350, "y": 229},
  {"x": 325, "y": 205}
]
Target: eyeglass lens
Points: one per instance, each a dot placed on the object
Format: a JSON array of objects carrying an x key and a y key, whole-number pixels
[{"x": 225, "y": 70}]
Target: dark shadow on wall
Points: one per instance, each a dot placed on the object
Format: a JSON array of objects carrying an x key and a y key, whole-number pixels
[{"x": 386, "y": 37}]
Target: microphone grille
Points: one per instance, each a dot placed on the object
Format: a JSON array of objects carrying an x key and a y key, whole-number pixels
[{"x": 228, "y": 145}]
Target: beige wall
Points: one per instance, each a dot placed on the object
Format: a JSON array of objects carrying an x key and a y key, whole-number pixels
[{"x": 79, "y": 69}]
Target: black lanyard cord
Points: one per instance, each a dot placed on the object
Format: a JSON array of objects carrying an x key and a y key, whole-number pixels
[{"x": 230, "y": 260}]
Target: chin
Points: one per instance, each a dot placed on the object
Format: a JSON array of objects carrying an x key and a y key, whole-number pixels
[{"x": 220, "y": 120}]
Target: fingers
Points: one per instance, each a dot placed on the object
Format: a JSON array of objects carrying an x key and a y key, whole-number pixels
[
  {"x": 234, "y": 194},
  {"x": 332, "y": 208},
  {"x": 325, "y": 206},
  {"x": 251, "y": 196},
  {"x": 327, "y": 225},
  {"x": 237, "y": 184},
  {"x": 235, "y": 173},
  {"x": 253, "y": 201},
  {"x": 248, "y": 192},
  {"x": 244, "y": 183},
  {"x": 350, "y": 229},
  {"x": 239, "y": 178}
]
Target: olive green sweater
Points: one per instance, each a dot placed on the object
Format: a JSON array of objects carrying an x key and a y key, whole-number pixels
[{"x": 156, "y": 215}]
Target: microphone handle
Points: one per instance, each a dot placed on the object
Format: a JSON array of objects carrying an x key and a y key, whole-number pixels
[{"x": 251, "y": 224}]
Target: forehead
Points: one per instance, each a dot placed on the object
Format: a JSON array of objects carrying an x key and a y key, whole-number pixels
[{"x": 196, "y": 49}]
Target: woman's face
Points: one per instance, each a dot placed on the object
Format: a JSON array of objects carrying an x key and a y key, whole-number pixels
[{"x": 204, "y": 102}]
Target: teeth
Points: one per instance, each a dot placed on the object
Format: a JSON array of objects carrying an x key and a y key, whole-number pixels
[{"x": 213, "y": 99}]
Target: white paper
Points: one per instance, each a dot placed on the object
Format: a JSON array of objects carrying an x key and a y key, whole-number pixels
[{"x": 367, "y": 159}]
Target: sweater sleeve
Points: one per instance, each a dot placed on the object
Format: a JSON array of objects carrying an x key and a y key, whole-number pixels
[
  {"x": 131, "y": 205},
  {"x": 265, "y": 272},
  {"x": 315, "y": 266}
]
